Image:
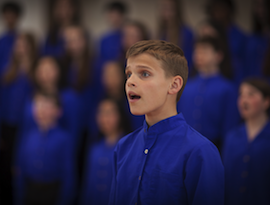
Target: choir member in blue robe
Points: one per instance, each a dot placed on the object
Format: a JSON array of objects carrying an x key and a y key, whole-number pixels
[
  {"x": 258, "y": 45},
  {"x": 80, "y": 73},
  {"x": 165, "y": 161},
  {"x": 173, "y": 29},
  {"x": 222, "y": 12},
  {"x": 110, "y": 43},
  {"x": 11, "y": 13},
  {"x": 15, "y": 86},
  {"x": 246, "y": 151},
  {"x": 47, "y": 77},
  {"x": 209, "y": 100},
  {"x": 61, "y": 13},
  {"x": 44, "y": 165},
  {"x": 113, "y": 124},
  {"x": 113, "y": 81}
]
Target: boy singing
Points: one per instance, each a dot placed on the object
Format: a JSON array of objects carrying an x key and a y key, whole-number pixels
[{"x": 165, "y": 161}]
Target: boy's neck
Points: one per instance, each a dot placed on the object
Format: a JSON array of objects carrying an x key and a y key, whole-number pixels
[
  {"x": 255, "y": 125},
  {"x": 156, "y": 116}
]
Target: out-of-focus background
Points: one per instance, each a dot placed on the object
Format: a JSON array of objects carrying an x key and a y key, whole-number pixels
[
  {"x": 92, "y": 12},
  {"x": 63, "y": 106}
]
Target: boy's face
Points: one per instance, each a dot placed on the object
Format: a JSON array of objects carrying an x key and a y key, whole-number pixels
[
  {"x": 10, "y": 19},
  {"x": 46, "y": 113},
  {"x": 205, "y": 57},
  {"x": 251, "y": 102},
  {"x": 146, "y": 86}
]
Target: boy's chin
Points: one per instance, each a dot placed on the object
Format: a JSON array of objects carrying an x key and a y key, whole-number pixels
[{"x": 136, "y": 112}]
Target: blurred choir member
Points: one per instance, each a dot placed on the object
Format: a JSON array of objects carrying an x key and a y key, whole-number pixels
[
  {"x": 11, "y": 13},
  {"x": 173, "y": 29},
  {"x": 209, "y": 100},
  {"x": 61, "y": 13},
  {"x": 222, "y": 12},
  {"x": 133, "y": 31},
  {"x": 246, "y": 151},
  {"x": 15, "y": 88},
  {"x": 110, "y": 43},
  {"x": 112, "y": 125},
  {"x": 113, "y": 80},
  {"x": 47, "y": 76},
  {"x": 258, "y": 45},
  {"x": 80, "y": 72},
  {"x": 44, "y": 165}
]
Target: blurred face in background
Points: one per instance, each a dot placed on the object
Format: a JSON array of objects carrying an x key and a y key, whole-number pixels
[
  {"x": 47, "y": 72},
  {"x": 260, "y": 11},
  {"x": 115, "y": 18},
  {"x": 206, "y": 29},
  {"x": 21, "y": 47},
  {"x": 205, "y": 57},
  {"x": 46, "y": 112},
  {"x": 108, "y": 118},
  {"x": 75, "y": 41},
  {"x": 113, "y": 78},
  {"x": 251, "y": 102},
  {"x": 168, "y": 10},
  {"x": 63, "y": 12},
  {"x": 131, "y": 35},
  {"x": 10, "y": 19}
]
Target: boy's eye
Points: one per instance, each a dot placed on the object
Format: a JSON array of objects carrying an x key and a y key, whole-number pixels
[
  {"x": 128, "y": 75},
  {"x": 145, "y": 74}
]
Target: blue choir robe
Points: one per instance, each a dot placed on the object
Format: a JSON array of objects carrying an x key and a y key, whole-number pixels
[
  {"x": 45, "y": 157},
  {"x": 210, "y": 106},
  {"x": 237, "y": 40},
  {"x": 98, "y": 174},
  {"x": 247, "y": 167},
  {"x": 56, "y": 50},
  {"x": 6, "y": 45},
  {"x": 255, "y": 54},
  {"x": 70, "y": 120},
  {"x": 167, "y": 163},
  {"x": 13, "y": 98},
  {"x": 111, "y": 46}
]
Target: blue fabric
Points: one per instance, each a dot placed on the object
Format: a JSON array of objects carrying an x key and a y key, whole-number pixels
[
  {"x": 46, "y": 157},
  {"x": 169, "y": 163},
  {"x": 237, "y": 40},
  {"x": 98, "y": 174},
  {"x": 247, "y": 167},
  {"x": 71, "y": 119},
  {"x": 255, "y": 55},
  {"x": 209, "y": 106},
  {"x": 6, "y": 45},
  {"x": 49, "y": 49},
  {"x": 187, "y": 44},
  {"x": 110, "y": 46},
  {"x": 13, "y": 98}
]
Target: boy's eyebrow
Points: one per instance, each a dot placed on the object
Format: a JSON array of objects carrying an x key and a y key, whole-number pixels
[{"x": 139, "y": 66}]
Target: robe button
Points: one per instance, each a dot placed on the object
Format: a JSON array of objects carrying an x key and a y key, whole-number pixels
[{"x": 146, "y": 151}]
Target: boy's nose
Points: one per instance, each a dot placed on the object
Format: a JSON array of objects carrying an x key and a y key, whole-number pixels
[{"x": 131, "y": 81}]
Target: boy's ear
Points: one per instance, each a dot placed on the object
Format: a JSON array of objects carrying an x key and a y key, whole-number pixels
[{"x": 176, "y": 85}]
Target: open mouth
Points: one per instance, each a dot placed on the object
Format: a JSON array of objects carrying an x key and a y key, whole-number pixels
[{"x": 134, "y": 97}]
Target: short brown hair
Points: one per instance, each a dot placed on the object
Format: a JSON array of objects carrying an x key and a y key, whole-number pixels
[{"x": 172, "y": 57}]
